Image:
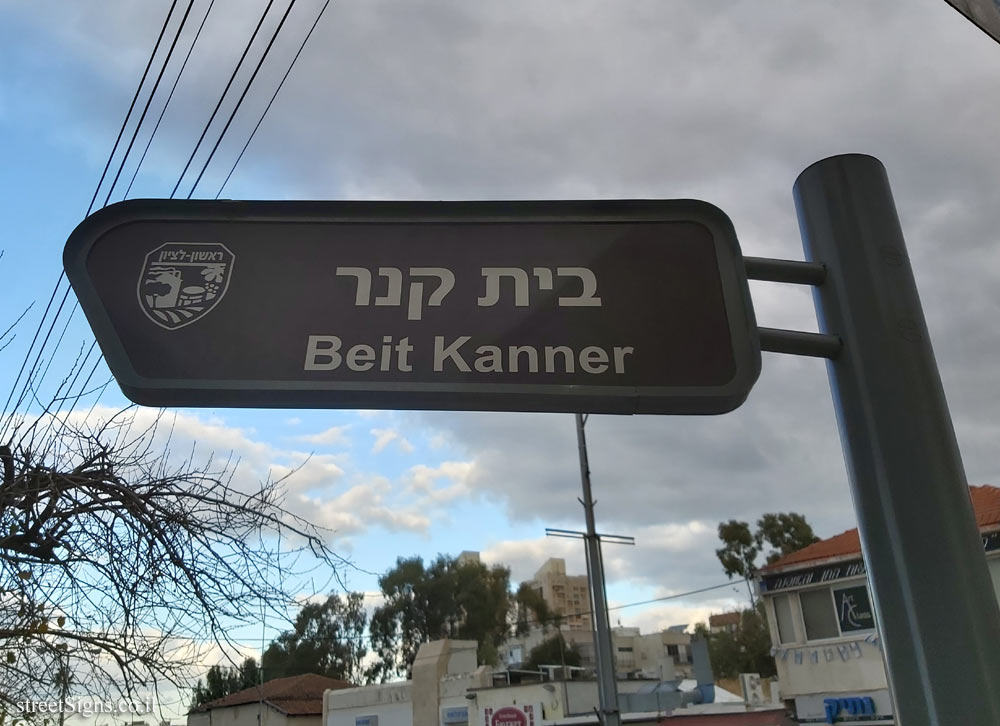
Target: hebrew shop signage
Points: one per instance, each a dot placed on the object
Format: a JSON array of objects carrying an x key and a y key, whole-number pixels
[{"x": 612, "y": 306}]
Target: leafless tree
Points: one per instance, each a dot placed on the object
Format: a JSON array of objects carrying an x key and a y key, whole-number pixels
[{"x": 119, "y": 558}]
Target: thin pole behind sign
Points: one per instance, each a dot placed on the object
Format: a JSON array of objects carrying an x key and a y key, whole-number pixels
[
  {"x": 607, "y": 687},
  {"x": 937, "y": 613}
]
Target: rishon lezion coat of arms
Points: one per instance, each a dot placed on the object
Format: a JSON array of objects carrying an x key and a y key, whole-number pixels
[{"x": 182, "y": 281}]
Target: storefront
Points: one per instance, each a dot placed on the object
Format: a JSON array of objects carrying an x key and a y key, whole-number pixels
[{"x": 823, "y": 628}]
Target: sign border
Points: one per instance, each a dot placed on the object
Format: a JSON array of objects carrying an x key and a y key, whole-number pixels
[{"x": 565, "y": 398}]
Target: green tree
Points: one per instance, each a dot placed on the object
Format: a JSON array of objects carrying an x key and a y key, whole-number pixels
[
  {"x": 786, "y": 533},
  {"x": 249, "y": 674},
  {"x": 446, "y": 599},
  {"x": 553, "y": 651},
  {"x": 220, "y": 681},
  {"x": 531, "y": 609},
  {"x": 328, "y": 638},
  {"x": 747, "y": 649},
  {"x": 739, "y": 552}
]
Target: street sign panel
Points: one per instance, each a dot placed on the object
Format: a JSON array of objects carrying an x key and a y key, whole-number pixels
[{"x": 596, "y": 306}]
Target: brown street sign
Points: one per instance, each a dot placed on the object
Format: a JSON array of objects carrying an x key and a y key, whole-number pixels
[{"x": 570, "y": 306}]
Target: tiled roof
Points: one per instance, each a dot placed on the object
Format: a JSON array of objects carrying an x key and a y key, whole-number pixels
[
  {"x": 295, "y": 695},
  {"x": 985, "y": 504}
]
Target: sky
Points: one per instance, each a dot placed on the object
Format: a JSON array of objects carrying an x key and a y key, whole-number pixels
[{"x": 726, "y": 102}]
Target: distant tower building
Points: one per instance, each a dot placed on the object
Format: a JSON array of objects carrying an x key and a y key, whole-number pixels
[{"x": 568, "y": 595}]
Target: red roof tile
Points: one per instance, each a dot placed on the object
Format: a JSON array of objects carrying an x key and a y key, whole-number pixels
[
  {"x": 295, "y": 695},
  {"x": 985, "y": 504}
]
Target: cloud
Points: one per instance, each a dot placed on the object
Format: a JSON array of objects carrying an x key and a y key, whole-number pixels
[
  {"x": 524, "y": 557},
  {"x": 383, "y": 437},
  {"x": 333, "y": 436},
  {"x": 459, "y": 474}
]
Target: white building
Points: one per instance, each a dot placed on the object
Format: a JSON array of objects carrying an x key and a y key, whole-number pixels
[
  {"x": 822, "y": 623},
  {"x": 663, "y": 656},
  {"x": 449, "y": 689}
]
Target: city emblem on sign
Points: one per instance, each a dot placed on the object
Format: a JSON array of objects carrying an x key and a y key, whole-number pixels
[{"x": 182, "y": 281}]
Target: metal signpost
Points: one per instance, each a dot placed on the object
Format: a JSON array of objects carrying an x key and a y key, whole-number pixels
[
  {"x": 940, "y": 633},
  {"x": 610, "y": 307}
]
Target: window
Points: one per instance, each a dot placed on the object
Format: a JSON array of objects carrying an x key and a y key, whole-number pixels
[
  {"x": 818, "y": 614},
  {"x": 625, "y": 650},
  {"x": 783, "y": 614},
  {"x": 672, "y": 650}
]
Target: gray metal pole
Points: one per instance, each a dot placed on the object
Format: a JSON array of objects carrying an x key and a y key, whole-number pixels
[
  {"x": 607, "y": 688},
  {"x": 937, "y": 614}
]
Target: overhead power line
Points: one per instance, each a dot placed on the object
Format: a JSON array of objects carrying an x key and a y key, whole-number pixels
[
  {"x": 269, "y": 103},
  {"x": 27, "y": 376},
  {"x": 676, "y": 596},
  {"x": 222, "y": 97},
  {"x": 28, "y": 379},
  {"x": 149, "y": 101},
  {"x": 131, "y": 107},
  {"x": 243, "y": 95},
  {"x": 170, "y": 97},
  {"x": 90, "y": 207},
  {"x": 121, "y": 166}
]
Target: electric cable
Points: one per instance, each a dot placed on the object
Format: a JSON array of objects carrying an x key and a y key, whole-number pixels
[
  {"x": 135, "y": 98},
  {"x": 243, "y": 95},
  {"x": 222, "y": 97},
  {"x": 62, "y": 274},
  {"x": 170, "y": 97},
  {"x": 149, "y": 101},
  {"x": 676, "y": 596},
  {"x": 269, "y": 103}
]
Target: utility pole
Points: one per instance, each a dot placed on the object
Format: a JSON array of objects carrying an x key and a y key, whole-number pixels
[{"x": 607, "y": 688}]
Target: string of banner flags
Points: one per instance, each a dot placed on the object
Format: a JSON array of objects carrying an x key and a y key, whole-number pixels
[{"x": 845, "y": 651}]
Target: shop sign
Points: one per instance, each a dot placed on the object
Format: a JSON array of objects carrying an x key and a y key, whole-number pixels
[
  {"x": 854, "y": 609},
  {"x": 812, "y": 576},
  {"x": 511, "y": 715},
  {"x": 837, "y": 708},
  {"x": 455, "y": 715}
]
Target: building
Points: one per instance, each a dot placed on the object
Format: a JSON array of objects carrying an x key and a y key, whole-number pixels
[
  {"x": 448, "y": 688},
  {"x": 819, "y": 610},
  {"x": 724, "y": 622},
  {"x": 567, "y": 595},
  {"x": 292, "y": 701},
  {"x": 517, "y": 649},
  {"x": 664, "y": 655}
]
